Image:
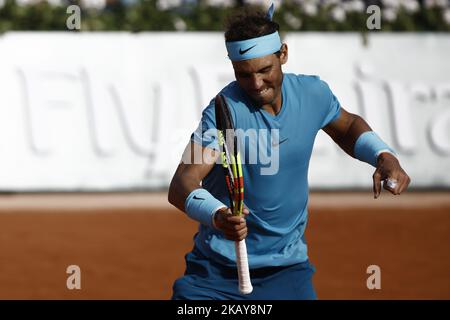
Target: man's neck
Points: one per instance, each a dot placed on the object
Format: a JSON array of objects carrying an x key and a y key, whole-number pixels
[{"x": 274, "y": 108}]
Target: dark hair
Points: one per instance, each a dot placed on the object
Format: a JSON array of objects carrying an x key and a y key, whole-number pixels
[{"x": 248, "y": 24}]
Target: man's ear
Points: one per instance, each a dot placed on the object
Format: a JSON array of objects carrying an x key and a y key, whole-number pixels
[{"x": 284, "y": 53}]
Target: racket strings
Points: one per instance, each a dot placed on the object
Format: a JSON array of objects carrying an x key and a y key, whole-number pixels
[
  {"x": 234, "y": 182},
  {"x": 230, "y": 156}
]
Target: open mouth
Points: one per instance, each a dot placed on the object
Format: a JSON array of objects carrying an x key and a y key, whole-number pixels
[{"x": 261, "y": 92}]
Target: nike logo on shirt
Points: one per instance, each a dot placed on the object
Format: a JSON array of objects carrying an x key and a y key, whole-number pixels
[
  {"x": 275, "y": 143},
  {"x": 244, "y": 51},
  {"x": 197, "y": 198}
]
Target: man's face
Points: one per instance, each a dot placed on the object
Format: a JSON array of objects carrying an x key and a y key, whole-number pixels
[{"x": 261, "y": 78}]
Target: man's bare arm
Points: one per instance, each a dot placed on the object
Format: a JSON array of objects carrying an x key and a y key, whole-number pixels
[
  {"x": 346, "y": 130},
  {"x": 196, "y": 163}
]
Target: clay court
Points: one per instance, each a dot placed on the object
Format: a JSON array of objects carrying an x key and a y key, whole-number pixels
[{"x": 132, "y": 245}]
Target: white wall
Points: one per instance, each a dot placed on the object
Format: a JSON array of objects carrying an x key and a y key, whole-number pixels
[{"x": 106, "y": 111}]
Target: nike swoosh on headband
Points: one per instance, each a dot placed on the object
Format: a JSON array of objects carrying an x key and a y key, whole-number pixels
[
  {"x": 198, "y": 198},
  {"x": 244, "y": 51}
]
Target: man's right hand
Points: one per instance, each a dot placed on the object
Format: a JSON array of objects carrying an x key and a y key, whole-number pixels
[{"x": 233, "y": 227}]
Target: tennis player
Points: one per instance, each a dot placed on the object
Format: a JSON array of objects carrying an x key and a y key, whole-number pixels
[{"x": 274, "y": 221}]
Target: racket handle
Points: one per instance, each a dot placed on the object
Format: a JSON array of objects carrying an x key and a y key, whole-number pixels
[{"x": 245, "y": 286}]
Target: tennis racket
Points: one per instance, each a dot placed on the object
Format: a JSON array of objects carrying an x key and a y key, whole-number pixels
[{"x": 232, "y": 168}]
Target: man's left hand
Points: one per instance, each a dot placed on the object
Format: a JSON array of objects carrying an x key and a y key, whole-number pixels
[{"x": 389, "y": 170}]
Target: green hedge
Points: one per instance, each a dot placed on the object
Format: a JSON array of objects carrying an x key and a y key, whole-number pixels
[{"x": 145, "y": 16}]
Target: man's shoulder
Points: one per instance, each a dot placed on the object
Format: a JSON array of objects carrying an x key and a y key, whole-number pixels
[
  {"x": 303, "y": 79},
  {"x": 305, "y": 82},
  {"x": 232, "y": 94},
  {"x": 232, "y": 90}
]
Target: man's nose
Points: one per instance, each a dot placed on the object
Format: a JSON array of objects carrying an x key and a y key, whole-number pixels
[{"x": 257, "y": 82}]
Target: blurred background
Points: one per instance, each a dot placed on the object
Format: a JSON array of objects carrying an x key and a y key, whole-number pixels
[{"x": 99, "y": 98}]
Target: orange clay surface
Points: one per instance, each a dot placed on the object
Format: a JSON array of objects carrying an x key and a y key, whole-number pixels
[{"x": 132, "y": 245}]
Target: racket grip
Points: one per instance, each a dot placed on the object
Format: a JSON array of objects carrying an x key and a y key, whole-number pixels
[{"x": 245, "y": 286}]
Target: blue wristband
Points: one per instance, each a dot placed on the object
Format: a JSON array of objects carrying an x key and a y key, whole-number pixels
[
  {"x": 201, "y": 205},
  {"x": 369, "y": 146}
]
